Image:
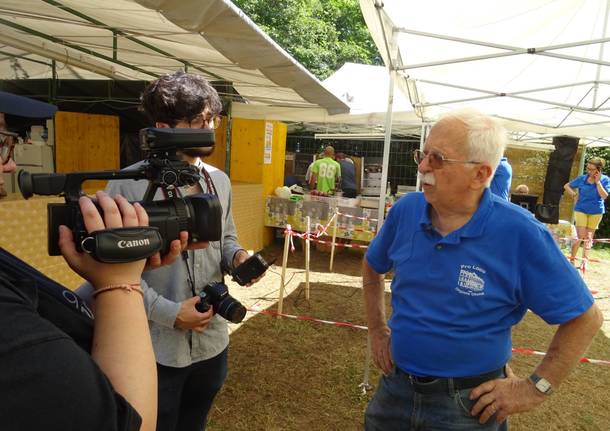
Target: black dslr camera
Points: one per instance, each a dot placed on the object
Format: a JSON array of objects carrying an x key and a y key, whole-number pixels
[
  {"x": 217, "y": 295},
  {"x": 200, "y": 215}
]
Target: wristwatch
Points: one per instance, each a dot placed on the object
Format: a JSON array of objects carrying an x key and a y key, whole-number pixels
[{"x": 541, "y": 384}]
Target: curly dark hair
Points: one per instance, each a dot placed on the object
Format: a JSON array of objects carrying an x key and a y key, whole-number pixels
[{"x": 178, "y": 97}]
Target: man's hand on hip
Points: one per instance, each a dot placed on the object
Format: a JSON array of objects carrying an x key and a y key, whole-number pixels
[
  {"x": 504, "y": 397},
  {"x": 189, "y": 318},
  {"x": 380, "y": 349}
]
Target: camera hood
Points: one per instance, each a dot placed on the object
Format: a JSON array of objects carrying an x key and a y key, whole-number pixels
[{"x": 168, "y": 139}]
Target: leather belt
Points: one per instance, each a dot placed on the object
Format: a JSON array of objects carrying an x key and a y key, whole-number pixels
[{"x": 435, "y": 385}]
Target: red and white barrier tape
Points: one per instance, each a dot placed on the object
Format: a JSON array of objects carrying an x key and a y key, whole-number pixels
[
  {"x": 314, "y": 237},
  {"x": 575, "y": 238},
  {"x": 308, "y": 318},
  {"x": 364, "y": 328},
  {"x": 536, "y": 352},
  {"x": 356, "y": 217},
  {"x": 340, "y": 244}
]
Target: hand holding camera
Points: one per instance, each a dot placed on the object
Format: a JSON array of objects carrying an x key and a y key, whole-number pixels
[
  {"x": 190, "y": 318},
  {"x": 102, "y": 274}
]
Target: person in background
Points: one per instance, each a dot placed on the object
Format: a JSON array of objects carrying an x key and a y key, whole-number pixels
[
  {"x": 308, "y": 173},
  {"x": 325, "y": 172},
  {"x": 456, "y": 294},
  {"x": 62, "y": 369},
  {"x": 589, "y": 191},
  {"x": 522, "y": 189},
  {"x": 500, "y": 184},
  {"x": 191, "y": 347},
  {"x": 348, "y": 175}
]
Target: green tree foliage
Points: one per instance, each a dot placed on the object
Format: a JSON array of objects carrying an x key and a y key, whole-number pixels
[{"x": 321, "y": 34}]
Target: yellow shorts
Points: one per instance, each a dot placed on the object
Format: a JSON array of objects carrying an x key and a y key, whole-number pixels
[{"x": 590, "y": 221}]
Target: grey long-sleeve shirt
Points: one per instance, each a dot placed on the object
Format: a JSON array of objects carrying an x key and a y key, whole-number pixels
[{"x": 166, "y": 287}]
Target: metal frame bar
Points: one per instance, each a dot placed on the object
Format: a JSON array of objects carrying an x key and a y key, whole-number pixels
[
  {"x": 512, "y": 50},
  {"x": 73, "y": 46},
  {"x": 23, "y": 57},
  {"x": 134, "y": 39}
]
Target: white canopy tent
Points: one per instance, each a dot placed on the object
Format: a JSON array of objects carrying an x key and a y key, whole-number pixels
[
  {"x": 539, "y": 65},
  {"x": 142, "y": 39},
  {"x": 364, "y": 88}
]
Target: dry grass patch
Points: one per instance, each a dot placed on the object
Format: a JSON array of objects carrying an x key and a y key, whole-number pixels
[{"x": 295, "y": 375}]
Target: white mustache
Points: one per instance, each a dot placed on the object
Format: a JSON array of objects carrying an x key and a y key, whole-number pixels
[{"x": 426, "y": 178}]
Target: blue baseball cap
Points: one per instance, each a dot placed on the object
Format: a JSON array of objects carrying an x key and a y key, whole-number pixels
[{"x": 25, "y": 107}]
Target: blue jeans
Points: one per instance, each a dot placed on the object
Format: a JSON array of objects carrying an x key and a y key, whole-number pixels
[{"x": 396, "y": 406}]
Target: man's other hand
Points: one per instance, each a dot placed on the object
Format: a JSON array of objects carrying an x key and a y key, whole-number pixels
[
  {"x": 189, "y": 318},
  {"x": 380, "y": 349},
  {"x": 240, "y": 257},
  {"x": 504, "y": 397}
]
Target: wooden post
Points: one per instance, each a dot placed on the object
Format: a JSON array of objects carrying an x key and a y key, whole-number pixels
[
  {"x": 332, "y": 246},
  {"x": 307, "y": 245},
  {"x": 280, "y": 301}
]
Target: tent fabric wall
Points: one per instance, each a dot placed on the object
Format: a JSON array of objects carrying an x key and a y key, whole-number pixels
[
  {"x": 142, "y": 39},
  {"x": 539, "y": 65}
]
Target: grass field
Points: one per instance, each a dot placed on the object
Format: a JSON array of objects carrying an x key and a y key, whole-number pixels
[{"x": 295, "y": 375}]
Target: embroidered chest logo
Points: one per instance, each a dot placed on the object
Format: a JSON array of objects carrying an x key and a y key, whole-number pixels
[{"x": 470, "y": 280}]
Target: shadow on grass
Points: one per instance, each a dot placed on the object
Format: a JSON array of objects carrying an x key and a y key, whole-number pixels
[
  {"x": 296, "y": 375},
  {"x": 346, "y": 261}
]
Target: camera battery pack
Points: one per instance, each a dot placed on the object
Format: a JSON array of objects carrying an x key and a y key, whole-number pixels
[{"x": 251, "y": 269}]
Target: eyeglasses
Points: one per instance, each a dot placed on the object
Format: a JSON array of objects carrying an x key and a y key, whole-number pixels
[
  {"x": 436, "y": 160},
  {"x": 203, "y": 122},
  {"x": 7, "y": 145}
]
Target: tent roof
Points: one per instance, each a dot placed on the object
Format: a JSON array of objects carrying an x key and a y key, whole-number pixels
[
  {"x": 142, "y": 39},
  {"x": 540, "y": 65},
  {"x": 364, "y": 88}
]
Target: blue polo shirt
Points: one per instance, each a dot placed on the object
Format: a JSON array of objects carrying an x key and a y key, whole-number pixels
[
  {"x": 500, "y": 184},
  {"x": 589, "y": 200},
  {"x": 456, "y": 298}
]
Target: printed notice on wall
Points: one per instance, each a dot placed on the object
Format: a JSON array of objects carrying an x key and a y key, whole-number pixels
[{"x": 268, "y": 143}]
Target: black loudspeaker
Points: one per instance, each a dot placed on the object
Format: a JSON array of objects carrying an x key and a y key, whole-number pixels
[
  {"x": 547, "y": 213},
  {"x": 558, "y": 169}
]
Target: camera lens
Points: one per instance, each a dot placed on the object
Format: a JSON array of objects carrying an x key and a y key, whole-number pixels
[
  {"x": 200, "y": 215},
  {"x": 224, "y": 304},
  {"x": 231, "y": 309}
]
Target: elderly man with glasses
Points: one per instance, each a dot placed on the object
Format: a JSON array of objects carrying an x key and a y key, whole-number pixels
[{"x": 466, "y": 267}]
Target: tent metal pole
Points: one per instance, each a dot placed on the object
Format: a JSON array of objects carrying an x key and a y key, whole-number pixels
[
  {"x": 574, "y": 58},
  {"x": 531, "y": 90},
  {"x": 116, "y": 32},
  {"x": 457, "y": 39},
  {"x": 422, "y": 140},
  {"x": 601, "y": 55},
  {"x": 23, "y": 57},
  {"x": 387, "y": 142},
  {"x": 501, "y": 46},
  {"x": 73, "y": 46},
  {"x": 463, "y": 59},
  {"x": 229, "y": 109}
]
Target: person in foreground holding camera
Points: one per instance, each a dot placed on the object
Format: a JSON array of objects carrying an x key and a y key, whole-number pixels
[
  {"x": 456, "y": 294},
  {"x": 190, "y": 346},
  {"x": 49, "y": 380}
]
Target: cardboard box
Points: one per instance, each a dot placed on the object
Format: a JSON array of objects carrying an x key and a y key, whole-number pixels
[
  {"x": 9, "y": 182},
  {"x": 34, "y": 156}
]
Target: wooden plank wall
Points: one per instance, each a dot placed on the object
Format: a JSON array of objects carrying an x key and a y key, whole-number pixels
[{"x": 86, "y": 142}]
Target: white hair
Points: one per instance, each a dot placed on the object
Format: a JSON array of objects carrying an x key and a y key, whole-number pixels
[{"x": 486, "y": 137}]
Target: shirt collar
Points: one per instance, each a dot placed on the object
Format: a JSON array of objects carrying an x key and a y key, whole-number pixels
[{"x": 475, "y": 226}]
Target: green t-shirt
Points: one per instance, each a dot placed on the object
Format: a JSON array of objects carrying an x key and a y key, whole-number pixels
[{"x": 327, "y": 171}]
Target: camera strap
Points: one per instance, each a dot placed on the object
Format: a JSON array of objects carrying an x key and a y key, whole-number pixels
[{"x": 126, "y": 244}]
